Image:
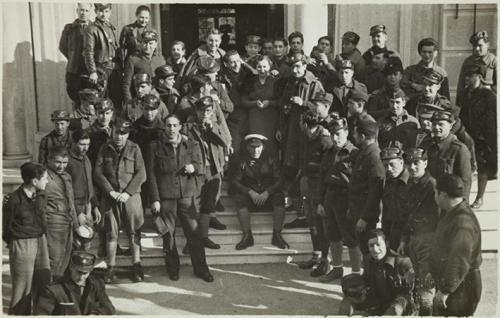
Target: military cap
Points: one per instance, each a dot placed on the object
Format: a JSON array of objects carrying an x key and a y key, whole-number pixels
[
  {"x": 83, "y": 261},
  {"x": 323, "y": 97},
  {"x": 207, "y": 64},
  {"x": 122, "y": 125},
  {"x": 377, "y": 29},
  {"x": 478, "y": 36},
  {"x": 103, "y": 104},
  {"x": 150, "y": 101},
  {"x": 60, "y": 115},
  {"x": 451, "y": 184},
  {"x": 343, "y": 64},
  {"x": 141, "y": 78},
  {"x": 164, "y": 71},
  {"x": 358, "y": 95},
  {"x": 414, "y": 154},
  {"x": 397, "y": 93},
  {"x": 149, "y": 35},
  {"x": 443, "y": 115},
  {"x": 253, "y": 39},
  {"x": 255, "y": 139},
  {"x": 204, "y": 102},
  {"x": 85, "y": 233},
  {"x": 353, "y": 285},
  {"x": 337, "y": 124},
  {"x": 389, "y": 153},
  {"x": 298, "y": 57},
  {"x": 351, "y": 37},
  {"x": 103, "y": 6},
  {"x": 433, "y": 77},
  {"x": 88, "y": 95},
  {"x": 476, "y": 68},
  {"x": 367, "y": 127},
  {"x": 393, "y": 65}
]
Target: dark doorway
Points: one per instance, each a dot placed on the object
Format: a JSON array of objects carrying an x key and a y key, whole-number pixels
[{"x": 190, "y": 22}]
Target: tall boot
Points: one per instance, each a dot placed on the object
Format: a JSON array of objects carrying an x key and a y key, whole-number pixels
[
  {"x": 278, "y": 240},
  {"x": 246, "y": 241}
]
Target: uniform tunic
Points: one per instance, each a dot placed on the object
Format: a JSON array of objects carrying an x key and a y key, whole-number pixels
[
  {"x": 490, "y": 79},
  {"x": 400, "y": 129},
  {"x": 414, "y": 74},
  {"x": 342, "y": 93},
  {"x": 99, "y": 135},
  {"x": 378, "y": 103},
  {"x": 139, "y": 63},
  {"x": 51, "y": 140}
]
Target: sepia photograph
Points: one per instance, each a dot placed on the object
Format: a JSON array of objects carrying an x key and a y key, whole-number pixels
[{"x": 315, "y": 159}]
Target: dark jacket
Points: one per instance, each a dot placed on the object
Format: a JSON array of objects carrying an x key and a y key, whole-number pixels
[
  {"x": 421, "y": 207},
  {"x": 190, "y": 68},
  {"x": 449, "y": 156},
  {"x": 401, "y": 129},
  {"x": 378, "y": 103},
  {"x": 98, "y": 137},
  {"x": 373, "y": 79},
  {"x": 51, "y": 140},
  {"x": 71, "y": 46},
  {"x": 165, "y": 169},
  {"x": 490, "y": 61},
  {"x": 356, "y": 59},
  {"x": 366, "y": 184},
  {"x": 139, "y": 63},
  {"x": 311, "y": 151},
  {"x": 339, "y": 103},
  {"x": 22, "y": 217},
  {"x": 414, "y": 74},
  {"x": 92, "y": 301},
  {"x": 80, "y": 170},
  {"x": 131, "y": 38},
  {"x": 121, "y": 172},
  {"x": 169, "y": 97},
  {"x": 60, "y": 207},
  {"x": 413, "y": 105},
  {"x": 132, "y": 109},
  {"x": 145, "y": 132},
  {"x": 457, "y": 247},
  {"x": 259, "y": 175},
  {"x": 99, "y": 46}
]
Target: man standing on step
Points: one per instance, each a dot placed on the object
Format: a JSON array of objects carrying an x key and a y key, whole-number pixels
[
  {"x": 174, "y": 167},
  {"x": 257, "y": 181},
  {"x": 59, "y": 136}
]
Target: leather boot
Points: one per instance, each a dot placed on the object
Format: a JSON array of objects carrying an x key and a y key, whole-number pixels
[
  {"x": 322, "y": 268},
  {"x": 138, "y": 273},
  {"x": 208, "y": 243},
  {"x": 310, "y": 262},
  {"x": 246, "y": 241},
  {"x": 278, "y": 240}
]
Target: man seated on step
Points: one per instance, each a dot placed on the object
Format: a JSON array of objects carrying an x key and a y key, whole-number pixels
[
  {"x": 386, "y": 286},
  {"x": 257, "y": 181}
]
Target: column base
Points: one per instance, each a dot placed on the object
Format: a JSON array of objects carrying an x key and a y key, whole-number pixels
[{"x": 15, "y": 161}]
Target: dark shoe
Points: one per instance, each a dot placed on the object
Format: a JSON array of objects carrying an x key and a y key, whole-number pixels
[
  {"x": 321, "y": 269},
  {"x": 335, "y": 273},
  {"x": 477, "y": 203},
  {"x": 138, "y": 274},
  {"x": 309, "y": 263},
  {"x": 185, "y": 250},
  {"x": 246, "y": 241},
  {"x": 219, "y": 207},
  {"x": 297, "y": 223},
  {"x": 173, "y": 276},
  {"x": 215, "y": 224},
  {"x": 206, "y": 276},
  {"x": 210, "y": 244},
  {"x": 110, "y": 275},
  {"x": 278, "y": 240}
]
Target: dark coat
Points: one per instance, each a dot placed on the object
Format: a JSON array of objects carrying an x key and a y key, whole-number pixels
[
  {"x": 98, "y": 137},
  {"x": 339, "y": 103},
  {"x": 92, "y": 301},
  {"x": 131, "y": 38},
  {"x": 138, "y": 63},
  {"x": 413, "y": 104},
  {"x": 311, "y": 151},
  {"x": 51, "y": 140},
  {"x": 414, "y": 74},
  {"x": 80, "y": 170},
  {"x": 457, "y": 247},
  {"x": 401, "y": 129},
  {"x": 378, "y": 103},
  {"x": 71, "y": 46},
  {"x": 366, "y": 184},
  {"x": 372, "y": 78},
  {"x": 490, "y": 61},
  {"x": 166, "y": 179},
  {"x": 190, "y": 68},
  {"x": 259, "y": 175},
  {"x": 146, "y": 132},
  {"x": 99, "y": 46}
]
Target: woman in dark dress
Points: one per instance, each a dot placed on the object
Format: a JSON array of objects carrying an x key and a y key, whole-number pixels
[{"x": 262, "y": 102}]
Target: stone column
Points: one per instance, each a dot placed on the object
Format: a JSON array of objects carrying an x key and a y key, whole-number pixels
[
  {"x": 18, "y": 83},
  {"x": 311, "y": 19}
]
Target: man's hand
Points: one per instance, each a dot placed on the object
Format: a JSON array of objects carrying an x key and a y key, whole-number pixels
[
  {"x": 297, "y": 100},
  {"x": 97, "y": 215},
  {"x": 123, "y": 197},
  {"x": 189, "y": 169},
  {"x": 361, "y": 225},
  {"x": 114, "y": 195},
  {"x": 254, "y": 196},
  {"x": 260, "y": 104},
  {"x": 155, "y": 207},
  {"x": 215, "y": 98},
  {"x": 93, "y": 77},
  {"x": 207, "y": 124},
  {"x": 263, "y": 197},
  {"x": 323, "y": 58},
  {"x": 274, "y": 73},
  {"x": 320, "y": 210},
  {"x": 82, "y": 219},
  {"x": 440, "y": 299},
  {"x": 401, "y": 248}
]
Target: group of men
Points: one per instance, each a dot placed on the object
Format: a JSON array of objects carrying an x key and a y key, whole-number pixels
[{"x": 359, "y": 136}]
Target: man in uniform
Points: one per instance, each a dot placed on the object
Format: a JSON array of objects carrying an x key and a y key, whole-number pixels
[
  {"x": 379, "y": 41},
  {"x": 281, "y": 67},
  {"x": 418, "y": 232},
  {"x": 99, "y": 47},
  {"x": 430, "y": 84},
  {"x": 71, "y": 46},
  {"x": 59, "y": 136},
  {"x": 446, "y": 153},
  {"x": 100, "y": 130},
  {"x": 119, "y": 173},
  {"x": 456, "y": 252},
  {"x": 342, "y": 87},
  {"x": 373, "y": 75},
  {"x": 350, "y": 51},
  {"x": 163, "y": 82},
  {"x": 356, "y": 110},
  {"x": 257, "y": 181},
  {"x": 414, "y": 74},
  {"x": 84, "y": 116},
  {"x": 78, "y": 293},
  {"x": 175, "y": 165},
  {"x": 480, "y": 55},
  {"x": 366, "y": 183},
  {"x": 208, "y": 132},
  {"x": 335, "y": 173},
  {"x": 398, "y": 127},
  {"x": 60, "y": 212},
  {"x": 143, "y": 62}
]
